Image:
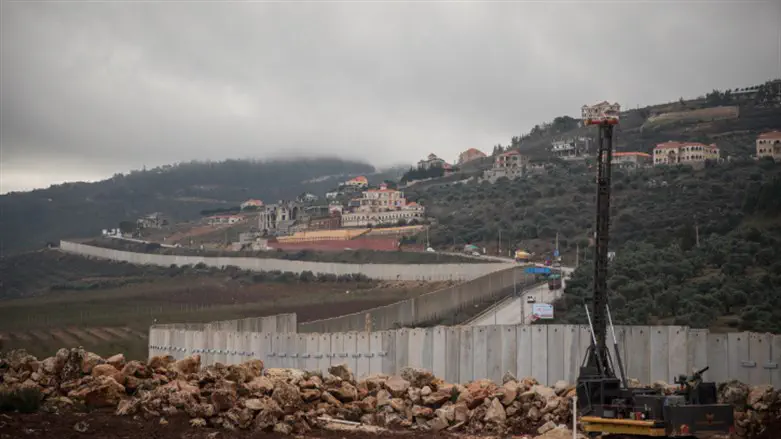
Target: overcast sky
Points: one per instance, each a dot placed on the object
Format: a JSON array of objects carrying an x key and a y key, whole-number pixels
[{"x": 94, "y": 88}]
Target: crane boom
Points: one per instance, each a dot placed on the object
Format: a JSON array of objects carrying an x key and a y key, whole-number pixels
[
  {"x": 607, "y": 404},
  {"x": 597, "y": 380}
]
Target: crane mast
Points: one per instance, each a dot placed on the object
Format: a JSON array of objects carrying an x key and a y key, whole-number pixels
[
  {"x": 597, "y": 380},
  {"x": 607, "y": 404},
  {"x": 604, "y": 160}
]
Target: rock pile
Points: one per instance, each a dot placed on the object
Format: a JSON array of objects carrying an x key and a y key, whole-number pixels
[
  {"x": 757, "y": 409},
  {"x": 248, "y": 396}
]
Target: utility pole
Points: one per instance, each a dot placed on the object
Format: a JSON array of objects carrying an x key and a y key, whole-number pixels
[
  {"x": 499, "y": 247},
  {"x": 577, "y": 254},
  {"x": 697, "y": 233}
]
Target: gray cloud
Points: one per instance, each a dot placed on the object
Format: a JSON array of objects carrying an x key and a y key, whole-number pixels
[{"x": 90, "y": 89}]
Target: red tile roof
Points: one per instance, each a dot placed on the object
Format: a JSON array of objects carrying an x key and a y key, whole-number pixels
[{"x": 770, "y": 135}]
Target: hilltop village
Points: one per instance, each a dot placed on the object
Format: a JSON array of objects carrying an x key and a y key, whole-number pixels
[{"x": 376, "y": 215}]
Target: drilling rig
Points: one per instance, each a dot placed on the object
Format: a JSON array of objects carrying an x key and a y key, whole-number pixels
[{"x": 608, "y": 406}]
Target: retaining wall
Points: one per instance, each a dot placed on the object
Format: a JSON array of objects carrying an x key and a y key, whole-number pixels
[
  {"x": 461, "y": 354},
  {"x": 429, "y": 308},
  {"x": 422, "y": 272}
]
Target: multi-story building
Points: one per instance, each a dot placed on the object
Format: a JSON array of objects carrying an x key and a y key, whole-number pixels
[
  {"x": 251, "y": 204},
  {"x": 152, "y": 221},
  {"x": 432, "y": 161},
  {"x": 769, "y": 145},
  {"x": 380, "y": 207},
  {"x": 631, "y": 160},
  {"x": 570, "y": 149},
  {"x": 469, "y": 155},
  {"x": 279, "y": 218},
  {"x": 510, "y": 164},
  {"x": 687, "y": 153},
  {"x": 359, "y": 182},
  {"x": 224, "y": 219}
]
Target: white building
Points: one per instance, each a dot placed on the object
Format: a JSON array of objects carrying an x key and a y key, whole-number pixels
[{"x": 382, "y": 206}]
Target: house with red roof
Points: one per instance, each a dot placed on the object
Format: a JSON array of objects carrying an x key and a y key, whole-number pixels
[
  {"x": 469, "y": 155},
  {"x": 688, "y": 153},
  {"x": 359, "y": 181},
  {"x": 511, "y": 164},
  {"x": 769, "y": 145}
]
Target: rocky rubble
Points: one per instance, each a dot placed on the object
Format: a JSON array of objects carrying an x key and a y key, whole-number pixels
[{"x": 288, "y": 401}]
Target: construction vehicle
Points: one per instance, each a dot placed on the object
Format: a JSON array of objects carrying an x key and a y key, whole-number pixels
[
  {"x": 522, "y": 256},
  {"x": 607, "y": 406}
]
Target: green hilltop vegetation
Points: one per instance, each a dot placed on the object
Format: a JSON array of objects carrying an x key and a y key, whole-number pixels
[
  {"x": 730, "y": 118},
  {"x": 695, "y": 247},
  {"x": 31, "y": 219},
  {"x": 659, "y": 274}
]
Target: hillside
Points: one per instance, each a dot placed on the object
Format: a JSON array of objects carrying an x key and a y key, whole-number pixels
[
  {"x": 730, "y": 118},
  {"x": 730, "y": 282},
  {"x": 658, "y": 214},
  {"x": 653, "y": 205},
  {"x": 31, "y": 219}
]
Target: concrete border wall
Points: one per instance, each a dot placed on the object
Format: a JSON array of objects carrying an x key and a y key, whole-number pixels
[
  {"x": 428, "y": 308},
  {"x": 463, "y": 353},
  {"x": 275, "y": 323},
  {"x": 422, "y": 272}
]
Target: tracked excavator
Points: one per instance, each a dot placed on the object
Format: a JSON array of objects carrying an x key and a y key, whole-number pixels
[{"x": 608, "y": 407}]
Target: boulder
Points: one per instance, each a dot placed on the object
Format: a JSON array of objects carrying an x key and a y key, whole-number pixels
[
  {"x": 438, "y": 397},
  {"x": 223, "y": 399},
  {"x": 309, "y": 395},
  {"x": 417, "y": 377},
  {"x": 161, "y": 361},
  {"x": 460, "y": 412},
  {"x": 103, "y": 391},
  {"x": 508, "y": 376},
  {"x": 495, "y": 414},
  {"x": 89, "y": 361},
  {"x": 397, "y": 386},
  {"x": 342, "y": 371},
  {"x": 293, "y": 376},
  {"x": 420, "y": 411},
  {"x": 256, "y": 404},
  {"x": 260, "y": 385},
  {"x": 118, "y": 361},
  {"x": 52, "y": 365},
  {"x": 136, "y": 369},
  {"x": 286, "y": 395},
  {"x": 383, "y": 398},
  {"x": 187, "y": 365},
  {"x": 561, "y": 387},
  {"x": 346, "y": 392},
  {"x": 761, "y": 398},
  {"x": 19, "y": 360},
  {"x": 734, "y": 393},
  {"x": 510, "y": 391},
  {"x": 107, "y": 370},
  {"x": 71, "y": 363}
]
